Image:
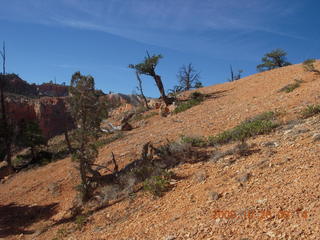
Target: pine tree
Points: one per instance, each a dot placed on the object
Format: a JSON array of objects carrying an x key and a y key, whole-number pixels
[
  {"x": 272, "y": 60},
  {"x": 87, "y": 112}
]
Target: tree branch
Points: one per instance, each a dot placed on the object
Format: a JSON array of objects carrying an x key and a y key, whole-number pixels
[{"x": 116, "y": 168}]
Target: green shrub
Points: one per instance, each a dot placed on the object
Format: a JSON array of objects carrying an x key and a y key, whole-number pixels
[
  {"x": 143, "y": 172},
  {"x": 61, "y": 234},
  {"x": 308, "y": 65},
  {"x": 194, "y": 141},
  {"x": 258, "y": 125},
  {"x": 267, "y": 116},
  {"x": 158, "y": 185},
  {"x": 180, "y": 147},
  {"x": 310, "y": 111},
  {"x": 195, "y": 98},
  {"x": 290, "y": 87},
  {"x": 80, "y": 221},
  {"x": 104, "y": 141},
  {"x": 140, "y": 116},
  {"x": 197, "y": 95},
  {"x": 186, "y": 105},
  {"x": 21, "y": 160},
  {"x": 221, "y": 138}
]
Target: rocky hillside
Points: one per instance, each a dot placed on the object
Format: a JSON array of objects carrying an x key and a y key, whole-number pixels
[{"x": 269, "y": 190}]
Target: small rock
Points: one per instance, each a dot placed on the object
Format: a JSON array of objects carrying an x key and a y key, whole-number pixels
[
  {"x": 3, "y": 164},
  {"x": 173, "y": 182},
  {"x": 98, "y": 229},
  {"x": 304, "y": 130},
  {"x": 262, "y": 201},
  {"x": 263, "y": 163},
  {"x": 244, "y": 178},
  {"x": 217, "y": 156},
  {"x": 287, "y": 127},
  {"x": 164, "y": 110},
  {"x": 126, "y": 127},
  {"x": 229, "y": 162},
  {"x": 200, "y": 176},
  {"x": 271, "y": 234},
  {"x": 287, "y": 132},
  {"x": 213, "y": 196},
  {"x": 172, "y": 107},
  {"x": 36, "y": 233},
  {"x": 228, "y": 158},
  {"x": 270, "y": 144},
  {"x": 269, "y": 152},
  {"x": 316, "y": 137},
  {"x": 54, "y": 189},
  {"x": 169, "y": 238},
  {"x": 126, "y": 118},
  {"x": 175, "y": 218}
]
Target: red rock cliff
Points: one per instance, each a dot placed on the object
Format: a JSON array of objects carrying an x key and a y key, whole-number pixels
[{"x": 50, "y": 113}]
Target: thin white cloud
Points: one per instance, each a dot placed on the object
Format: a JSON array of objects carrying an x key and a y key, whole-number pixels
[{"x": 159, "y": 22}]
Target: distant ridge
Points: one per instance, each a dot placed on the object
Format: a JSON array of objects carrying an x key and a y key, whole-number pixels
[{"x": 16, "y": 85}]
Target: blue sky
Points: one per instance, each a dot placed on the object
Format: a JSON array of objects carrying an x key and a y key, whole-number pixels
[{"x": 51, "y": 39}]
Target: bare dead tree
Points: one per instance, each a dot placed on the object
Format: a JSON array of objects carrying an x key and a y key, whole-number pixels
[
  {"x": 116, "y": 168},
  {"x": 4, "y": 117},
  {"x": 3, "y": 55},
  {"x": 188, "y": 77},
  {"x": 140, "y": 89},
  {"x": 233, "y": 76}
]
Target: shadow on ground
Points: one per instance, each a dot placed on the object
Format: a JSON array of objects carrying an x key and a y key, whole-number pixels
[{"x": 15, "y": 218}]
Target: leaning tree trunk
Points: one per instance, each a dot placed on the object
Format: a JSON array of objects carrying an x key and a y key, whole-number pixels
[{"x": 158, "y": 81}]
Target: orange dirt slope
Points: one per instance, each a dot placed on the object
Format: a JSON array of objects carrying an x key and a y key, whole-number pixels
[{"x": 280, "y": 199}]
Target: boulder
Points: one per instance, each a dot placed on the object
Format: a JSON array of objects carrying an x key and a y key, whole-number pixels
[{"x": 126, "y": 126}]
